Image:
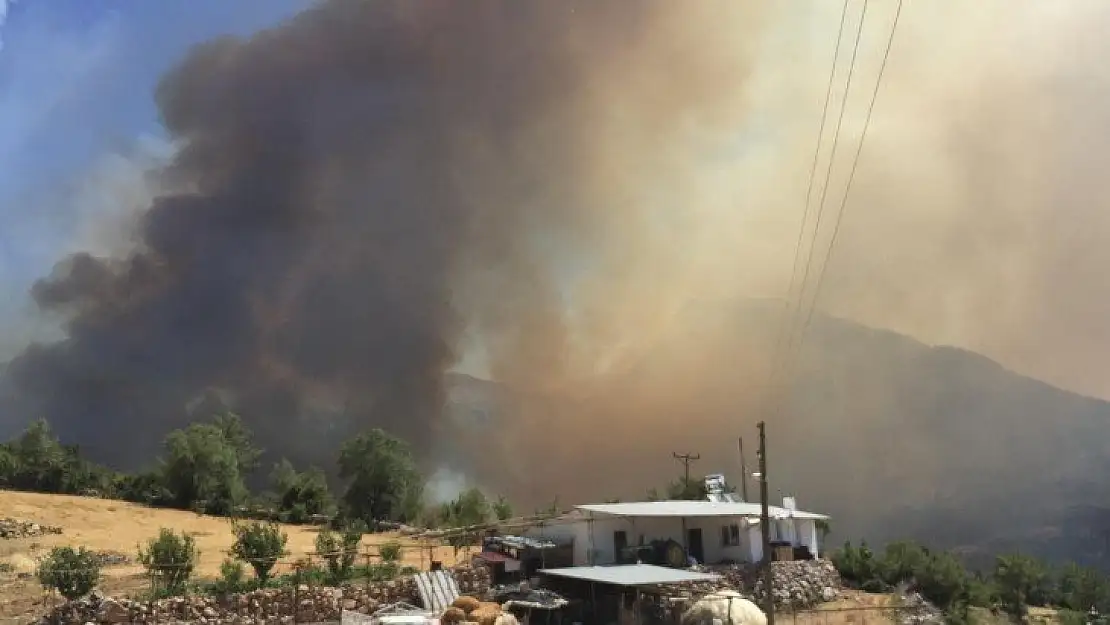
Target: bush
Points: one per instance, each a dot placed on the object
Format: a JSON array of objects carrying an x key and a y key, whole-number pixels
[
  {"x": 940, "y": 577},
  {"x": 233, "y": 579},
  {"x": 301, "y": 496},
  {"x": 339, "y": 551},
  {"x": 1021, "y": 581},
  {"x": 73, "y": 573},
  {"x": 390, "y": 551},
  {"x": 858, "y": 567},
  {"x": 259, "y": 544},
  {"x": 170, "y": 559},
  {"x": 502, "y": 509}
]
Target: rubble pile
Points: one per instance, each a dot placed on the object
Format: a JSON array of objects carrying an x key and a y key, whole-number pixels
[
  {"x": 797, "y": 584},
  {"x": 300, "y": 604},
  {"x": 11, "y": 529},
  {"x": 915, "y": 610},
  {"x": 801, "y": 583}
]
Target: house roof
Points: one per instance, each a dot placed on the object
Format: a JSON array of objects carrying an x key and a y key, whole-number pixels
[
  {"x": 694, "y": 509},
  {"x": 631, "y": 574}
]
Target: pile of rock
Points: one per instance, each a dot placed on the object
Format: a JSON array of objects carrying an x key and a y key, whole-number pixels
[
  {"x": 11, "y": 529},
  {"x": 302, "y": 604},
  {"x": 798, "y": 584},
  {"x": 915, "y": 610},
  {"x": 801, "y": 583}
]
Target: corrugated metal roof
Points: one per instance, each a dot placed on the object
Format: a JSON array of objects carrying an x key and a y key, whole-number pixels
[
  {"x": 631, "y": 574},
  {"x": 437, "y": 589},
  {"x": 694, "y": 509}
]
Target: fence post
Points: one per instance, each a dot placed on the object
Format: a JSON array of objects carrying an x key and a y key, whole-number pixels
[
  {"x": 296, "y": 591},
  {"x": 366, "y": 570}
]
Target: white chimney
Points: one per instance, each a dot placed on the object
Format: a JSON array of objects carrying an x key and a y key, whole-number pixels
[{"x": 789, "y": 503}]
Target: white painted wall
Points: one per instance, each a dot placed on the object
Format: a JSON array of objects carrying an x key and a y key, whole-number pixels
[{"x": 594, "y": 544}]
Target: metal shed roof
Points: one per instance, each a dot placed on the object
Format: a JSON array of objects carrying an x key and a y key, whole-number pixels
[
  {"x": 631, "y": 574},
  {"x": 694, "y": 509}
]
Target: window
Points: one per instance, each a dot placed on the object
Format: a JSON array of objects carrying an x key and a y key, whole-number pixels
[{"x": 730, "y": 535}]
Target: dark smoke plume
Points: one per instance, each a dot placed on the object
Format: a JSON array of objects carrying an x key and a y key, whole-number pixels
[
  {"x": 581, "y": 192},
  {"x": 351, "y": 188}
]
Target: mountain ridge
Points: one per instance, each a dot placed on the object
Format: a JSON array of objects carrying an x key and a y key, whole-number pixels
[{"x": 899, "y": 439}]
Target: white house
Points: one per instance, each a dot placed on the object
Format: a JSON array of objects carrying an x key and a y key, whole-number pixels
[{"x": 710, "y": 531}]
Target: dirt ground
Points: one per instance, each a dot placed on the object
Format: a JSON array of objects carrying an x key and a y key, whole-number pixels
[{"x": 114, "y": 526}]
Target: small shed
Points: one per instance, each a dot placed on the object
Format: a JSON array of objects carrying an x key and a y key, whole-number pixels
[{"x": 619, "y": 593}]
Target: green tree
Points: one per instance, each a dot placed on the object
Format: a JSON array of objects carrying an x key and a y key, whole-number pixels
[
  {"x": 339, "y": 551},
  {"x": 502, "y": 509},
  {"x": 240, "y": 439},
  {"x": 684, "y": 489},
  {"x": 71, "y": 572},
  {"x": 470, "y": 508},
  {"x": 858, "y": 566},
  {"x": 1081, "y": 588},
  {"x": 901, "y": 562},
  {"x": 37, "y": 461},
  {"x": 944, "y": 581},
  {"x": 382, "y": 478},
  {"x": 170, "y": 560},
  {"x": 201, "y": 465},
  {"x": 301, "y": 495},
  {"x": 390, "y": 551},
  {"x": 260, "y": 545},
  {"x": 1021, "y": 581}
]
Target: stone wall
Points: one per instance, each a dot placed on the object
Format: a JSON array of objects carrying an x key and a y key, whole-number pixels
[
  {"x": 284, "y": 606},
  {"x": 11, "y": 529},
  {"x": 798, "y": 584}
]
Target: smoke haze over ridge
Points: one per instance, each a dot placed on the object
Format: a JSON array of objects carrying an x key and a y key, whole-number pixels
[{"x": 368, "y": 188}]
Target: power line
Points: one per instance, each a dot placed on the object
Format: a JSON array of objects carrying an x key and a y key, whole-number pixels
[
  {"x": 805, "y": 209},
  {"x": 852, "y": 171},
  {"x": 786, "y": 360},
  {"x": 686, "y": 459},
  {"x": 848, "y": 187}
]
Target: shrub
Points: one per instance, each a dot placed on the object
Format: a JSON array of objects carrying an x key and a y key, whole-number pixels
[
  {"x": 259, "y": 544},
  {"x": 858, "y": 566},
  {"x": 339, "y": 551},
  {"x": 233, "y": 579},
  {"x": 170, "y": 559},
  {"x": 390, "y": 551},
  {"x": 1021, "y": 581},
  {"x": 502, "y": 509},
  {"x": 73, "y": 573}
]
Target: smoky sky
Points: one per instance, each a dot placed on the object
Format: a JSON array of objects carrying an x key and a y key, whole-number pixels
[
  {"x": 584, "y": 191},
  {"x": 348, "y": 186}
]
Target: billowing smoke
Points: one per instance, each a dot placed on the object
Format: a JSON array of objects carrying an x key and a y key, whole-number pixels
[
  {"x": 586, "y": 195},
  {"x": 352, "y": 189}
]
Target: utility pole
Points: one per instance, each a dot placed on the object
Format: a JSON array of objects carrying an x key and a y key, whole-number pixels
[
  {"x": 686, "y": 459},
  {"x": 765, "y": 527},
  {"x": 743, "y": 472}
]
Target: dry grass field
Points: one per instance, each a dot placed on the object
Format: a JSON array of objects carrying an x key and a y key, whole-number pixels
[{"x": 115, "y": 526}]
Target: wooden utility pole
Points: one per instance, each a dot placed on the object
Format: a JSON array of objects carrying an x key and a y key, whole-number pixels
[
  {"x": 743, "y": 472},
  {"x": 765, "y": 528},
  {"x": 686, "y": 459}
]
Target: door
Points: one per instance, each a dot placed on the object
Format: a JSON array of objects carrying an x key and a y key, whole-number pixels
[
  {"x": 694, "y": 545},
  {"x": 620, "y": 541}
]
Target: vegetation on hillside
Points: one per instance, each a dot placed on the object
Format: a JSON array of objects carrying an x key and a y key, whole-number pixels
[
  {"x": 171, "y": 558},
  {"x": 1015, "y": 583},
  {"x": 205, "y": 467}
]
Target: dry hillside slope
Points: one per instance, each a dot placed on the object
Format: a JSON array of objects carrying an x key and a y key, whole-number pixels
[{"x": 115, "y": 526}]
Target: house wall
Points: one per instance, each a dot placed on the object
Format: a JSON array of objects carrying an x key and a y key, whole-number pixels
[{"x": 594, "y": 538}]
